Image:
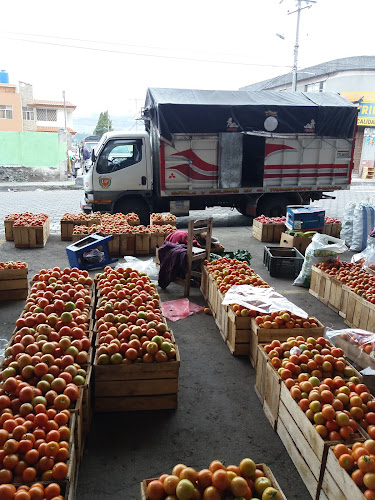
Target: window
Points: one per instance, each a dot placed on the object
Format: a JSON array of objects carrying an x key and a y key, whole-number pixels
[
  {"x": 28, "y": 113},
  {"x": 119, "y": 154},
  {"x": 6, "y": 112},
  {"x": 314, "y": 87},
  {"x": 46, "y": 115}
]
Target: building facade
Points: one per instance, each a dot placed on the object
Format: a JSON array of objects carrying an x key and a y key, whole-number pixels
[
  {"x": 354, "y": 79},
  {"x": 10, "y": 108}
]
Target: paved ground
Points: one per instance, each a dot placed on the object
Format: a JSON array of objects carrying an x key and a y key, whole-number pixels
[
  {"x": 219, "y": 415},
  {"x": 56, "y": 202}
]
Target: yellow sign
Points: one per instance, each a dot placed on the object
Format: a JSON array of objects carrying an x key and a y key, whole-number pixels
[
  {"x": 355, "y": 96},
  {"x": 366, "y": 122}
]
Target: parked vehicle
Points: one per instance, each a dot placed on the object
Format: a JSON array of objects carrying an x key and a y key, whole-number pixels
[{"x": 255, "y": 151}]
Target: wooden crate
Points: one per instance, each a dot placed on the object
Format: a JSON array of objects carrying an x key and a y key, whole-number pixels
[
  {"x": 305, "y": 446},
  {"x": 114, "y": 245},
  {"x": 269, "y": 233},
  {"x": 239, "y": 331},
  {"x": 13, "y": 284},
  {"x": 156, "y": 240},
  {"x": 266, "y": 335},
  {"x": 267, "y": 472},
  {"x": 142, "y": 244},
  {"x": 268, "y": 385},
  {"x": 327, "y": 289},
  {"x": 13, "y": 274},
  {"x": 31, "y": 236},
  {"x": 8, "y": 226},
  {"x": 352, "y": 351},
  {"x": 204, "y": 282},
  {"x": 127, "y": 244},
  {"x": 143, "y": 386},
  {"x": 359, "y": 313},
  {"x": 66, "y": 229},
  {"x": 337, "y": 483}
]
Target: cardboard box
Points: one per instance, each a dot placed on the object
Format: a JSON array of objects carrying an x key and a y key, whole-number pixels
[
  {"x": 304, "y": 218},
  {"x": 300, "y": 242}
]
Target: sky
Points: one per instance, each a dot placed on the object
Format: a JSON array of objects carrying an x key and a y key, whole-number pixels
[{"x": 105, "y": 54}]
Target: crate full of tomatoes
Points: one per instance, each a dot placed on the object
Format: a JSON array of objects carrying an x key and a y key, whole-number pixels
[
  {"x": 13, "y": 280},
  {"x": 137, "y": 361},
  {"x": 268, "y": 229},
  {"x": 28, "y": 230},
  {"x": 216, "y": 482}
]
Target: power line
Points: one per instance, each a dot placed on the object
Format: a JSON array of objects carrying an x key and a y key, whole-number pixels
[{"x": 95, "y": 49}]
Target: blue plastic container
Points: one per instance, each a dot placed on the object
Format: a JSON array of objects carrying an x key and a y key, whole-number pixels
[
  {"x": 304, "y": 218},
  {"x": 4, "y": 77}
]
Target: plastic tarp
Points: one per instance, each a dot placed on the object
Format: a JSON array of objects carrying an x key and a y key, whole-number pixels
[
  {"x": 179, "y": 309},
  {"x": 264, "y": 300},
  {"x": 208, "y": 111}
]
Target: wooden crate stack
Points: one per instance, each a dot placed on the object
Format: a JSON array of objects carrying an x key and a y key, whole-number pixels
[
  {"x": 13, "y": 284},
  {"x": 67, "y": 226}
]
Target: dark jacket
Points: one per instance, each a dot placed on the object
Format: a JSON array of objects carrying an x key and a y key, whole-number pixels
[{"x": 173, "y": 263}]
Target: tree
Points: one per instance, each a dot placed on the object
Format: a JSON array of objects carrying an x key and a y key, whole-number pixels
[{"x": 104, "y": 124}]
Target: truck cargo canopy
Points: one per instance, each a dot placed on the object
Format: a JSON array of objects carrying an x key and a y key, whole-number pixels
[{"x": 213, "y": 111}]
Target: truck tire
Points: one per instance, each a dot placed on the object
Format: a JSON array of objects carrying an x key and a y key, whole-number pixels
[
  {"x": 136, "y": 205},
  {"x": 273, "y": 206}
]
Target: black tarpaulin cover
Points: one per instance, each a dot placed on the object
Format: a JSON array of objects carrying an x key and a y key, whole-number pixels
[{"x": 213, "y": 111}]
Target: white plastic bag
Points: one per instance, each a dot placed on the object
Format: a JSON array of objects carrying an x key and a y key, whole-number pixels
[
  {"x": 367, "y": 256},
  {"x": 143, "y": 266},
  {"x": 347, "y": 223},
  {"x": 322, "y": 248},
  {"x": 364, "y": 221},
  {"x": 264, "y": 300}
]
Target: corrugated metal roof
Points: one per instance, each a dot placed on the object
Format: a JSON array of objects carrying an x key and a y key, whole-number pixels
[
  {"x": 326, "y": 68},
  {"x": 50, "y": 104}
]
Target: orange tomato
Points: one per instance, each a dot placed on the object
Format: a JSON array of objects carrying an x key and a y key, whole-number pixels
[
  {"x": 215, "y": 465},
  {"x": 346, "y": 461},
  {"x": 155, "y": 490},
  {"x": 204, "y": 478},
  {"x": 366, "y": 464},
  {"x": 220, "y": 479}
]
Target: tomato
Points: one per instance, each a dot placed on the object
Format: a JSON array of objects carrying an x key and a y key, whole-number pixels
[
  {"x": 204, "y": 478},
  {"x": 357, "y": 477},
  {"x": 346, "y": 461},
  {"x": 369, "y": 480},
  {"x": 155, "y": 490},
  {"x": 170, "y": 484},
  {"x": 7, "y": 491},
  {"x": 215, "y": 465},
  {"x": 261, "y": 484},
  {"x": 366, "y": 464},
  {"x": 238, "y": 486},
  {"x": 270, "y": 494},
  {"x": 220, "y": 479},
  {"x": 369, "y": 494},
  {"x": 247, "y": 467},
  {"x": 184, "y": 489},
  {"x": 211, "y": 493}
]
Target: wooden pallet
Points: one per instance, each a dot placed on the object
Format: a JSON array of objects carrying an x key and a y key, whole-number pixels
[
  {"x": 31, "y": 236},
  {"x": 268, "y": 233},
  {"x": 305, "y": 446},
  {"x": 143, "y": 386},
  {"x": 267, "y": 472}
]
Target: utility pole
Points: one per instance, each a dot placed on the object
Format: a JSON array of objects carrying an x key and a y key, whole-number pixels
[
  {"x": 66, "y": 132},
  {"x": 296, "y": 44}
]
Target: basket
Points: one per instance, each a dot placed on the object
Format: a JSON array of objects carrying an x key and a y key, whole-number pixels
[{"x": 283, "y": 262}]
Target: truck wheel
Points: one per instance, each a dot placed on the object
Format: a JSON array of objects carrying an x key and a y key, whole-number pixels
[
  {"x": 137, "y": 206},
  {"x": 273, "y": 206}
]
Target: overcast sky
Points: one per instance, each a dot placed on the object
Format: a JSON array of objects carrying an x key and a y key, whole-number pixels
[{"x": 105, "y": 54}]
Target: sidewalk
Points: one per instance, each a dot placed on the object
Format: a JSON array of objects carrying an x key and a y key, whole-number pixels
[{"x": 78, "y": 184}]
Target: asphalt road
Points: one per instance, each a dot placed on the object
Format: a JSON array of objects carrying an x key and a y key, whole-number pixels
[{"x": 56, "y": 202}]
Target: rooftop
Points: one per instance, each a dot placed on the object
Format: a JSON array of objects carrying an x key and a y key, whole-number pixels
[
  {"x": 40, "y": 103},
  {"x": 343, "y": 64},
  {"x": 54, "y": 129}
]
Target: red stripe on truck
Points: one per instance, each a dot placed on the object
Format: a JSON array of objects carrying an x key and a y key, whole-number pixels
[
  {"x": 196, "y": 161},
  {"x": 188, "y": 171},
  {"x": 275, "y": 148},
  {"x": 296, "y": 176}
]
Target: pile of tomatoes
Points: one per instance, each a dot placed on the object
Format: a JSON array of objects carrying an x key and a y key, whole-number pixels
[
  {"x": 130, "y": 325},
  {"x": 51, "y": 491},
  {"x": 13, "y": 265},
  {"x": 359, "y": 461},
  {"x": 316, "y": 357},
  {"x": 284, "y": 320},
  {"x": 331, "y": 220},
  {"x": 29, "y": 219},
  {"x": 263, "y": 219},
  {"x": 228, "y": 272},
  {"x": 354, "y": 276},
  {"x": 81, "y": 217},
  {"x": 245, "y": 481},
  {"x": 42, "y": 371},
  {"x": 158, "y": 218},
  {"x": 365, "y": 341}
]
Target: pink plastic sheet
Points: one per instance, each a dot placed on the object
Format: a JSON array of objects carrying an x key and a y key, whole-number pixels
[{"x": 179, "y": 309}]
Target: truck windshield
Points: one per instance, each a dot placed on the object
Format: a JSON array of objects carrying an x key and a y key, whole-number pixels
[{"x": 119, "y": 154}]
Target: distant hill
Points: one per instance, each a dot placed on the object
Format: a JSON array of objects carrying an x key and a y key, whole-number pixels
[{"x": 86, "y": 125}]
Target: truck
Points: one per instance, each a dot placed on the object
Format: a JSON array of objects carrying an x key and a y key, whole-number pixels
[{"x": 256, "y": 151}]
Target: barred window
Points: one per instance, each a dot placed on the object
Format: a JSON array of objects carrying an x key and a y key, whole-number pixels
[
  {"x": 28, "y": 113},
  {"x": 46, "y": 115},
  {"x": 6, "y": 112}
]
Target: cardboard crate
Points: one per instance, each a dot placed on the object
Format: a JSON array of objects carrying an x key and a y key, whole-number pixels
[
  {"x": 142, "y": 244},
  {"x": 143, "y": 386},
  {"x": 307, "y": 449},
  {"x": 298, "y": 242},
  {"x": 268, "y": 233},
  {"x": 304, "y": 218},
  {"x": 267, "y": 472}
]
